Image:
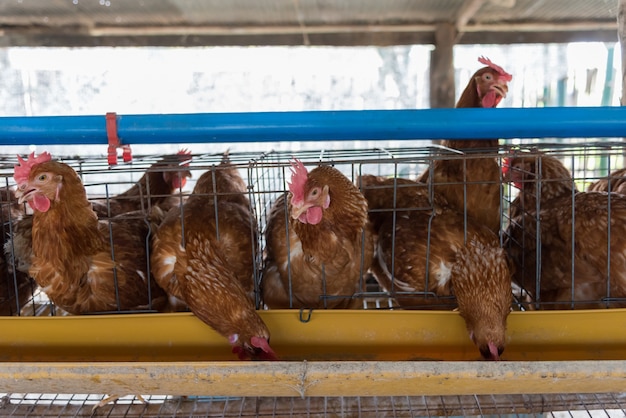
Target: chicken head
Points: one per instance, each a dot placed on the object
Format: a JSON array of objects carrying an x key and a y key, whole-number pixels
[
  {"x": 177, "y": 178},
  {"x": 35, "y": 184},
  {"x": 491, "y": 83},
  {"x": 482, "y": 285},
  {"x": 487, "y": 87},
  {"x": 256, "y": 348},
  {"x": 308, "y": 199}
]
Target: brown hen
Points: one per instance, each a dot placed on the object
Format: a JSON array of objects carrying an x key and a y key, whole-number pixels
[
  {"x": 155, "y": 188},
  {"x": 615, "y": 182},
  {"x": 386, "y": 195},
  {"x": 72, "y": 258},
  {"x": 19, "y": 288},
  {"x": 427, "y": 259},
  {"x": 210, "y": 266},
  {"x": 16, "y": 287},
  {"x": 319, "y": 242},
  {"x": 581, "y": 251},
  {"x": 472, "y": 184}
]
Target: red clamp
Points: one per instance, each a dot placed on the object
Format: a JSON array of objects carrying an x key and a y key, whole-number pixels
[{"x": 114, "y": 141}]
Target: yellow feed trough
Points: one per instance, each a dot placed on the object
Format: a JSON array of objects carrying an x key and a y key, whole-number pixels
[{"x": 335, "y": 353}]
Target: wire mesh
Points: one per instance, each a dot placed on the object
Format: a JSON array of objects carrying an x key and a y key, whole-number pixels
[
  {"x": 546, "y": 405},
  {"x": 533, "y": 232},
  {"x": 267, "y": 175}
]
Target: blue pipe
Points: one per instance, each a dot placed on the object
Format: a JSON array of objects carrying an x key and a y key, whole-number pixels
[{"x": 551, "y": 122}]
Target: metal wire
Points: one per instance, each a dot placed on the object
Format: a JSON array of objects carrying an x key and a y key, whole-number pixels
[
  {"x": 587, "y": 163},
  {"x": 265, "y": 175}
]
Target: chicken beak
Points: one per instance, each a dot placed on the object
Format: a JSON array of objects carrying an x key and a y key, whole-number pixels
[
  {"x": 501, "y": 88},
  {"x": 298, "y": 210},
  {"x": 23, "y": 195}
]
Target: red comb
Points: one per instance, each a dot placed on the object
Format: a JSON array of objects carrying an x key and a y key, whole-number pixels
[
  {"x": 500, "y": 70},
  {"x": 184, "y": 153},
  {"x": 268, "y": 353},
  {"x": 22, "y": 170},
  {"x": 506, "y": 165},
  {"x": 299, "y": 175}
]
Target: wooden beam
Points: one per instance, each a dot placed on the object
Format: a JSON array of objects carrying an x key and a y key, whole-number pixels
[
  {"x": 302, "y": 379},
  {"x": 334, "y": 35},
  {"x": 532, "y": 37},
  {"x": 342, "y": 39},
  {"x": 467, "y": 10},
  {"x": 216, "y": 30}
]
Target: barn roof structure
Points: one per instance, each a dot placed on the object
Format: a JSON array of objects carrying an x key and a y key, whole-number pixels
[{"x": 302, "y": 22}]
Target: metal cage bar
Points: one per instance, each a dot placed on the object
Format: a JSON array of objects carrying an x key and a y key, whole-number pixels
[{"x": 535, "y": 337}]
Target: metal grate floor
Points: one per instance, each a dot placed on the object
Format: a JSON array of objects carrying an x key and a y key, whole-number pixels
[{"x": 549, "y": 405}]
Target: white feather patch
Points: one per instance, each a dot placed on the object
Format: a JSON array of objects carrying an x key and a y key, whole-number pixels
[
  {"x": 442, "y": 274},
  {"x": 295, "y": 252},
  {"x": 169, "y": 261}
]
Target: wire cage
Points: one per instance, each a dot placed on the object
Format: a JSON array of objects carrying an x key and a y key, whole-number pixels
[
  {"x": 274, "y": 169},
  {"x": 529, "y": 232},
  {"x": 266, "y": 176},
  {"x": 609, "y": 405},
  {"x": 539, "y": 342}
]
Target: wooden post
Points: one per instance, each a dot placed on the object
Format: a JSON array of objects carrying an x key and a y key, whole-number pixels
[
  {"x": 442, "y": 92},
  {"x": 621, "y": 22}
]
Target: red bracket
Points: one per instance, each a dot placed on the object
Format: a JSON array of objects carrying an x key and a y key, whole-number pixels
[{"x": 114, "y": 141}]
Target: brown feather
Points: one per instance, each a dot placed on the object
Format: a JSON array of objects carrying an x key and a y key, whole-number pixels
[
  {"x": 155, "y": 188},
  {"x": 481, "y": 282},
  {"x": 319, "y": 265},
  {"x": 16, "y": 287},
  {"x": 539, "y": 177},
  {"x": 387, "y": 194},
  {"x": 15, "y": 265},
  {"x": 479, "y": 85},
  {"x": 590, "y": 222},
  {"x": 616, "y": 183},
  {"x": 211, "y": 267},
  {"x": 428, "y": 257},
  {"x": 472, "y": 184},
  {"x": 72, "y": 258}
]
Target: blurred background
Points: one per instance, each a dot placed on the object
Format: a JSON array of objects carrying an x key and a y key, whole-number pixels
[{"x": 156, "y": 80}]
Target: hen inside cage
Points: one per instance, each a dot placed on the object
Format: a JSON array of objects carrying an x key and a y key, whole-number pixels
[
  {"x": 318, "y": 242},
  {"x": 373, "y": 229},
  {"x": 563, "y": 228}
]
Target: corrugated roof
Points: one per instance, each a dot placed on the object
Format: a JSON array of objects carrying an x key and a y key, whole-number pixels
[{"x": 294, "y": 22}]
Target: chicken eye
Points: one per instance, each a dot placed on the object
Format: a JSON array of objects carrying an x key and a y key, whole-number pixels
[
  {"x": 42, "y": 177},
  {"x": 315, "y": 192},
  {"x": 487, "y": 77}
]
